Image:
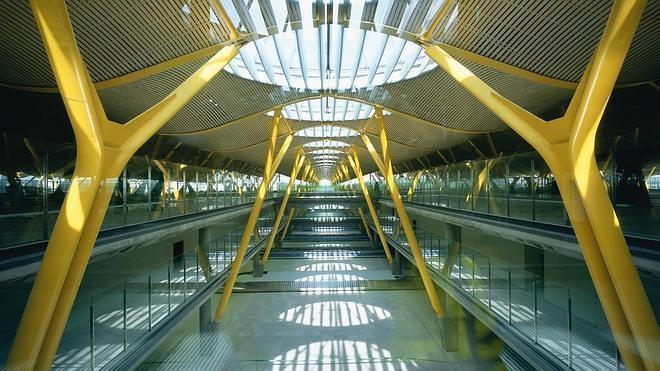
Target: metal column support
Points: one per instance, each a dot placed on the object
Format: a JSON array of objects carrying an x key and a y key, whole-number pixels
[
  {"x": 385, "y": 166},
  {"x": 410, "y": 195},
  {"x": 357, "y": 169},
  {"x": 204, "y": 241},
  {"x": 366, "y": 224},
  {"x": 344, "y": 175},
  {"x": 297, "y": 165},
  {"x": 269, "y": 170},
  {"x": 103, "y": 149},
  {"x": 567, "y": 146},
  {"x": 288, "y": 222},
  {"x": 306, "y": 173}
]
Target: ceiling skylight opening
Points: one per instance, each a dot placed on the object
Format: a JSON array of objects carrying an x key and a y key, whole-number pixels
[
  {"x": 326, "y": 151},
  {"x": 299, "y": 47},
  {"x": 327, "y": 131},
  {"x": 328, "y": 109},
  {"x": 298, "y": 60},
  {"x": 326, "y": 143}
]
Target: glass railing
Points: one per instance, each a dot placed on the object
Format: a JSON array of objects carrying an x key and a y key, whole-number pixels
[
  {"x": 521, "y": 186},
  {"x": 106, "y": 321},
  {"x": 556, "y": 310},
  {"x": 35, "y": 178}
]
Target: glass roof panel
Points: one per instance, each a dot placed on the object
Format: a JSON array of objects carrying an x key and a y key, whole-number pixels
[
  {"x": 328, "y": 109},
  {"x": 329, "y": 55},
  {"x": 327, "y": 131},
  {"x": 326, "y": 143},
  {"x": 326, "y": 151}
]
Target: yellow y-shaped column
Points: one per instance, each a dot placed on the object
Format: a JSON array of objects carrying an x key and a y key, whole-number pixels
[
  {"x": 103, "y": 149},
  {"x": 269, "y": 171},
  {"x": 385, "y": 166},
  {"x": 355, "y": 164},
  {"x": 297, "y": 164},
  {"x": 343, "y": 175},
  {"x": 411, "y": 193},
  {"x": 567, "y": 146}
]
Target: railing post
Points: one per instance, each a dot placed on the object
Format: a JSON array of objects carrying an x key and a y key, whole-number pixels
[
  {"x": 569, "y": 328},
  {"x": 460, "y": 268},
  {"x": 536, "y": 313},
  {"x": 169, "y": 289},
  {"x": 474, "y": 263},
  {"x": 533, "y": 185},
  {"x": 148, "y": 189},
  {"x": 44, "y": 195},
  {"x": 508, "y": 286},
  {"x": 124, "y": 196},
  {"x": 490, "y": 301},
  {"x": 149, "y": 299},
  {"x": 125, "y": 316},
  {"x": 91, "y": 332},
  {"x": 185, "y": 277},
  {"x": 508, "y": 191}
]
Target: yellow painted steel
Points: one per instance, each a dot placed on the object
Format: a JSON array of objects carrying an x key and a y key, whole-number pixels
[
  {"x": 222, "y": 14},
  {"x": 411, "y": 193},
  {"x": 411, "y": 190},
  {"x": 306, "y": 172},
  {"x": 366, "y": 224},
  {"x": 203, "y": 261},
  {"x": 428, "y": 34},
  {"x": 103, "y": 148},
  {"x": 567, "y": 146},
  {"x": 297, "y": 165},
  {"x": 403, "y": 214},
  {"x": 344, "y": 175},
  {"x": 252, "y": 219},
  {"x": 355, "y": 164},
  {"x": 280, "y": 155},
  {"x": 288, "y": 222}
]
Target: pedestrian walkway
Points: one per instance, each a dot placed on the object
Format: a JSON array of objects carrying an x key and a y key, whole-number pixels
[{"x": 320, "y": 327}]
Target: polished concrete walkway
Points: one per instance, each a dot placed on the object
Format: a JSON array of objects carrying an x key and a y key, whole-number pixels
[{"x": 317, "y": 329}]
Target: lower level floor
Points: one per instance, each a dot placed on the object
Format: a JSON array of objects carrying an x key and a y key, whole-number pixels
[{"x": 298, "y": 316}]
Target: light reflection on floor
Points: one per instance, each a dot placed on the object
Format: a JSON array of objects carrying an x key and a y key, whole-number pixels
[
  {"x": 330, "y": 277},
  {"x": 321, "y": 329},
  {"x": 326, "y": 352},
  {"x": 327, "y": 267},
  {"x": 336, "y": 313}
]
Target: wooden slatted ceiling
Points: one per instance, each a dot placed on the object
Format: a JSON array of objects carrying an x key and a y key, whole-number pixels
[
  {"x": 23, "y": 60},
  {"x": 438, "y": 98},
  {"x": 116, "y": 37},
  {"x": 255, "y": 129},
  {"x": 228, "y": 98},
  {"x": 552, "y": 38}
]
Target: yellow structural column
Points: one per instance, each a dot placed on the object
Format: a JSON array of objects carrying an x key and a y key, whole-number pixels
[
  {"x": 103, "y": 149},
  {"x": 385, "y": 166},
  {"x": 354, "y": 161},
  {"x": 344, "y": 175},
  {"x": 297, "y": 164},
  {"x": 567, "y": 146},
  {"x": 269, "y": 170},
  {"x": 411, "y": 193}
]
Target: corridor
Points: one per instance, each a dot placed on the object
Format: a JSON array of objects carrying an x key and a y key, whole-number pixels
[{"x": 297, "y": 317}]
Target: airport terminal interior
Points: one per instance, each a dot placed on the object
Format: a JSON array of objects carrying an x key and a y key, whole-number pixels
[{"x": 330, "y": 185}]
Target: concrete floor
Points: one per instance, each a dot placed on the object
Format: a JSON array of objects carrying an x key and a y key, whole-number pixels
[{"x": 316, "y": 330}]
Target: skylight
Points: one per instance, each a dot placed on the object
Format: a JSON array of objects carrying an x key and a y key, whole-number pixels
[
  {"x": 327, "y": 131},
  {"x": 326, "y": 143},
  {"x": 328, "y": 109},
  {"x": 326, "y": 151},
  {"x": 323, "y": 50}
]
